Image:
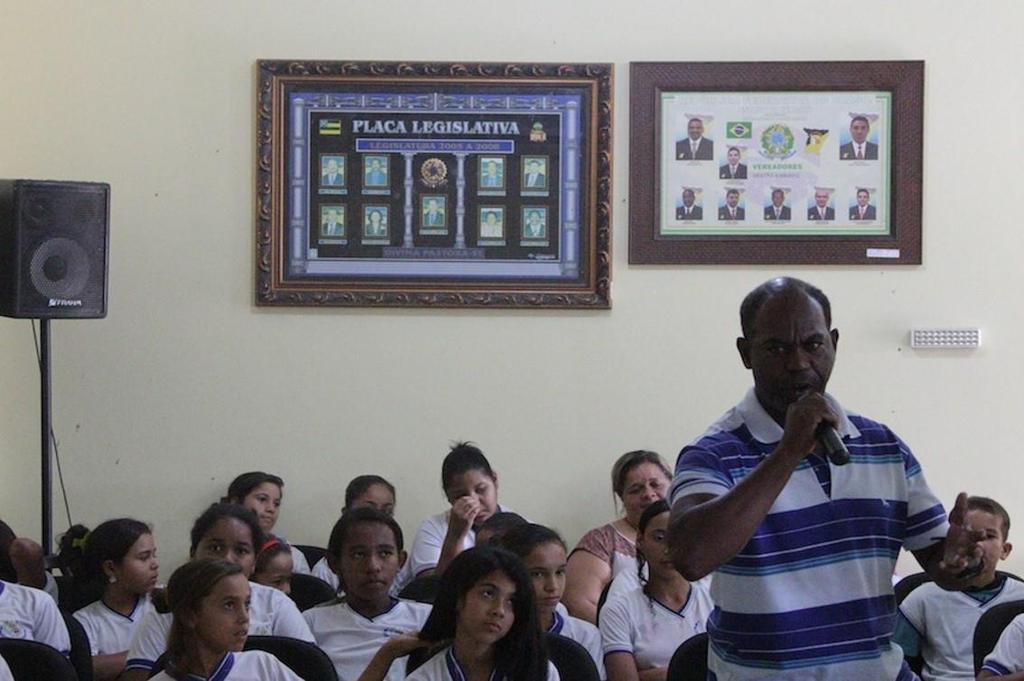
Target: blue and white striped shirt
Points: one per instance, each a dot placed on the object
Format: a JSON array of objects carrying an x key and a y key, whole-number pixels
[{"x": 810, "y": 595}]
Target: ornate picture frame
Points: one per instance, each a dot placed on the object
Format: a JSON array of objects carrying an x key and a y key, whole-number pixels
[
  {"x": 776, "y": 162},
  {"x": 396, "y": 148}
]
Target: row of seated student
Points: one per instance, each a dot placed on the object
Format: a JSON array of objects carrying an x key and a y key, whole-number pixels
[{"x": 650, "y": 608}]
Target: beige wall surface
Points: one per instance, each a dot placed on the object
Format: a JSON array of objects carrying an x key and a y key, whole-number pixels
[{"x": 187, "y": 383}]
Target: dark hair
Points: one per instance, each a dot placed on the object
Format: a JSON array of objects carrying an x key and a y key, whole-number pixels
[
  {"x": 339, "y": 533},
  {"x": 992, "y": 507},
  {"x": 217, "y": 512},
  {"x": 269, "y": 550},
  {"x": 246, "y": 482},
  {"x": 499, "y": 525},
  {"x": 7, "y": 535},
  {"x": 630, "y": 460},
  {"x": 654, "y": 510},
  {"x": 523, "y": 539},
  {"x": 464, "y": 456},
  {"x": 70, "y": 550},
  {"x": 186, "y": 589},
  {"x": 860, "y": 118},
  {"x": 780, "y": 285},
  {"x": 358, "y": 486},
  {"x": 521, "y": 655},
  {"x": 111, "y": 540}
]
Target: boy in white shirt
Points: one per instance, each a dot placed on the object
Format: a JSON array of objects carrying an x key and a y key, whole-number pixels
[{"x": 938, "y": 625}]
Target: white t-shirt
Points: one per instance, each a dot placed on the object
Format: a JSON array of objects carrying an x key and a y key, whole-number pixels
[
  {"x": 299, "y": 563},
  {"x": 30, "y": 614},
  {"x": 323, "y": 571},
  {"x": 426, "y": 547},
  {"x": 109, "y": 631},
  {"x": 1008, "y": 655},
  {"x": 251, "y": 665},
  {"x": 444, "y": 667},
  {"x": 648, "y": 630},
  {"x": 945, "y": 620},
  {"x": 5, "y": 671},
  {"x": 271, "y": 613},
  {"x": 351, "y": 640},
  {"x": 584, "y": 633}
]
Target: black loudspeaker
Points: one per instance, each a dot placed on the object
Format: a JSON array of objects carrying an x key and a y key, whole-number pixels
[{"x": 53, "y": 249}]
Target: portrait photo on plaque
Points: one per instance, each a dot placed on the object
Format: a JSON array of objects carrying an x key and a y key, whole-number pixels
[
  {"x": 376, "y": 173},
  {"x": 535, "y": 225},
  {"x": 375, "y": 224},
  {"x": 332, "y": 171},
  {"x": 433, "y": 214},
  {"x": 332, "y": 220},
  {"x": 534, "y": 179}
]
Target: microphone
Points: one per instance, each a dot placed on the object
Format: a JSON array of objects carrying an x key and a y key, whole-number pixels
[{"x": 835, "y": 450}]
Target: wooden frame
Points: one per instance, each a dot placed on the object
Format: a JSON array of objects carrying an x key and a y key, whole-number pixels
[
  {"x": 402, "y": 133},
  {"x": 789, "y": 130}
]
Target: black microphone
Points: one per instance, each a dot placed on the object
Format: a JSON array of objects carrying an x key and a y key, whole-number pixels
[{"x": 835, "y": 449}]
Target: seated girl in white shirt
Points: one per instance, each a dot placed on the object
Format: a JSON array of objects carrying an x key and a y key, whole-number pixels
[
  {"x": 120, "y": 554},
  {"x": 471, "y": 486},
  {"x": 483, "y": 625},
  {"x": 643, "y": 627},
  {"x": 209, "y": 600},
  {"x": 544, "y": 556},
  {"x": 223, "y": 532},
  {"x": 262, "y": 493}
]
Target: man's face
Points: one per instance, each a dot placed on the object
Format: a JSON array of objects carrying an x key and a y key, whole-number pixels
[
  {"x": 492, "y": 219},
  {"x": 688, "y": 198},
  {"x": 777, "y": 198},
  {"x": 790, "y": 352},
  {"x": 859, "y": 131},
  {"x": 534, "y": 220},
  {"x": 732, "y": 198},
  {"x": 534, "y": 167},
  {"x": 695, "y": 128},
  {"x": 332, "y": 216},
  {"x": 374, "y": 218},
  {"x": 492, "y": 168},
  {"x": 821, "y": 198},
  {"x": 375, "y": 165},
  {"x": 332, "y": 167},
  {"x": 862, "y": 198},
  {"x": 432, "y": 206},
  {"x": 734, "y": 156}
]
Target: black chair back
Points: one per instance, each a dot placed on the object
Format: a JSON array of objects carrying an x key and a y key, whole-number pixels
[
  {"x": 690, "y": 661},
  {"x": 73, "y": 595},
  {"x": 81, "y": 650},
  {"x": 31, "y": 661},
  {"x": 572, "y": 660},
  {"x": 423, "y": 589},
  {"x": 990, "y": 626},
  {"x": 308, "y": 591},
  {"x": 305, "y": 659},
  {"x": 908, "y": 584},
  {"x": 313, "y": 554}
]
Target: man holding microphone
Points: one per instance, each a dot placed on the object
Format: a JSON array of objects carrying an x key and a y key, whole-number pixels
[{"x": 802, "y": 543}]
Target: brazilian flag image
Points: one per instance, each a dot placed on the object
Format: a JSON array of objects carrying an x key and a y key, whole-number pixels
[
  {"x": 739, "y": 130},
  {"x": 330, "y": 127}
]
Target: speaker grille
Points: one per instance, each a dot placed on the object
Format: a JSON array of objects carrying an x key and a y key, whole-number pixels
[{"x": 55, "y": 234}]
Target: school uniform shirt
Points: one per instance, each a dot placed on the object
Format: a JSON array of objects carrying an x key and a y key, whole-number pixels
[
  {"x": 444, "y": 667},
  {"x": 1008, "y": 655},
  {"x": 426, "y": 547},
  {"x": 109, "y": 631},
  {"x": 30, "y": 614},
  {"x": 323, "y": 571},
  {"x": 938, "y": 626},
  {"x": 271, "y": 613},
  {"x": 299, "y": 563},
  {"x": 584, "y": 633},
  {"x": 649, "y": 630},
  {"x": 251, "y": 665},
  {"x": 351, "y": 640}
]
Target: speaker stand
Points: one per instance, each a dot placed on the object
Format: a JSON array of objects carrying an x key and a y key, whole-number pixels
[{"x": 45, "y": 423}]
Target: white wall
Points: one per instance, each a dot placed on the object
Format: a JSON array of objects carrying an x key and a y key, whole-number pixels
[{"x": 187, "y": 383}]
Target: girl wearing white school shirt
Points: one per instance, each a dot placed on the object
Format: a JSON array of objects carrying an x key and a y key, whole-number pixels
[
  {"x": 642, "y": 628},
  {"x": 223, "y": 532},
  {"x": 121, "y": 555},
  {"x": 209, "y": 600},
  {"x": 471, "y": 486},
  {"x": 366, "y": 552},
  {"x": 262, "y": 494}
]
